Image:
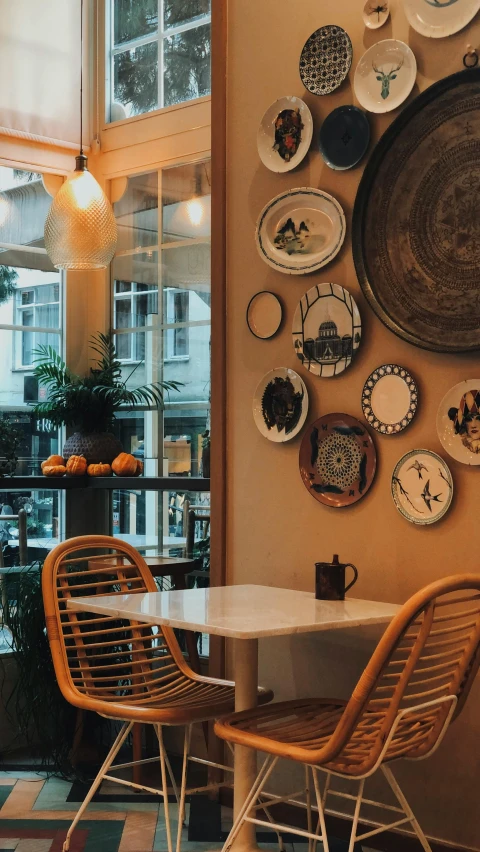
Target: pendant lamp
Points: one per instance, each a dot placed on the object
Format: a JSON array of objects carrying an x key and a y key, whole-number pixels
[{"x": 80, "y": 229}]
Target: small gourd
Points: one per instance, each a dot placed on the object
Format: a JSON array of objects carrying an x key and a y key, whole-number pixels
[
  {"x": 54, "y": 469},
  {"x": 125, "y": 465},
  {"x": 52, "y": 460},
  {"x": 77, "y": 465},
  {"x": 139, "y": 469},
  {"x": 99, "y": 469}
]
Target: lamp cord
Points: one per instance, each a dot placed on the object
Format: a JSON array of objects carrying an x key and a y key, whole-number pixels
[{"x": 81, "y": 76}]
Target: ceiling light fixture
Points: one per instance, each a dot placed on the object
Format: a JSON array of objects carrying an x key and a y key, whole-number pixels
[{"x": 80, "y": 229}]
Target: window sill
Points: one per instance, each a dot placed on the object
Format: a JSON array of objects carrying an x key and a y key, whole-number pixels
[{"x": 174, "y": 358}]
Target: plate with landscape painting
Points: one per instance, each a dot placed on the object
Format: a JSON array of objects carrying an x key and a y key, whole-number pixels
[
  {"x": 337, "y": 460},
  {"x": 422, "y": 487},
  {"x": 280, "y": 405},
  {"x": 326, "y": 330},
  {"x": 285, "y": 134},
  {"x": 300, "y": 230}
]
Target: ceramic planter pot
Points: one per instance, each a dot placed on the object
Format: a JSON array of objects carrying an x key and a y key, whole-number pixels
[{"x": 97, "y": 447}]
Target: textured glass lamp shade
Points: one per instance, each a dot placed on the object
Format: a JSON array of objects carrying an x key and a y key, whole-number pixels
[{"x": 80, "y": 229}]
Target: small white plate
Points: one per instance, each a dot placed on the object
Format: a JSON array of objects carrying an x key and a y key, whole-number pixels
[
  {"x": 458, "y": 422},
  {"x": 269, "y": 137},
  {"x": 326, "y": 330},
  {"x": 280, "y": 405},
  {"x": 389, "y": 399},
  {"x": 375, "y": 14},
  {"x": 422, "y": 487},
  {"x": 440, "y": 18},
  {"x": 385, "y": 75},
  {"x": 264, "y": 314},
  {"x": 300, "y": 230}
]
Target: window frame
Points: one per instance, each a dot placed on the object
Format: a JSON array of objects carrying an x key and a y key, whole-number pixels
[{"x": 106, "y": 60}]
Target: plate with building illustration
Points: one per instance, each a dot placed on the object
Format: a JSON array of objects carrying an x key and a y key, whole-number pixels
[
  {"x": 389, "y": 399},
  {"x": 300, "y": 230},
  {"x": 422, "y": 487},
  {"x": 326, "y": 330},
  {"x": 280, "y": 405},
  {"x": 337, "y": 460}
]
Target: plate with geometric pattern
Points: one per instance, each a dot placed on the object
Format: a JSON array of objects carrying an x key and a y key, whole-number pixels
[
  {"x": 389, "y": 399},
  {"x": 325, "y": 60},
  {"x": 337, "y": 460}
]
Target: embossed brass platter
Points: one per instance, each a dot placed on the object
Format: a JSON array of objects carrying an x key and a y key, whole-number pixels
[{"x": 416, "y": 222}]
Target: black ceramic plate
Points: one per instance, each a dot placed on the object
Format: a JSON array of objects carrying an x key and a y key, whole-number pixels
[
  {"x": 325, "y": 60},
  {"x": 344, "y": 137}
]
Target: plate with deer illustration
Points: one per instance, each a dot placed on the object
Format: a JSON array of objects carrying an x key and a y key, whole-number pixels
[{"x": 385, "y": 75}]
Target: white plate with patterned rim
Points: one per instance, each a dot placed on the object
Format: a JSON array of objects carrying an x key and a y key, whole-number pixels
[
  {"x": 385, "y": 75},
  {"x": 389, "y": 399},
  {"x": 458, "y": 422},
  {"x": 326, "y": 330},
  {"x": 440, "y": 18},
  {"x": 422, "y": 487},
  {"x": 285, "y": 134},
  {"x": 280, "y": 405},
  {"x": 300, "y": 230}
]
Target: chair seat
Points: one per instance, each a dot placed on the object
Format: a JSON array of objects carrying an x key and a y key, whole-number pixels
[{"x": 196, "y": 701}]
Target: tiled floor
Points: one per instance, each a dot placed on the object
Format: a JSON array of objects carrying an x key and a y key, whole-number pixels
[{"x": 35, "y": 813}]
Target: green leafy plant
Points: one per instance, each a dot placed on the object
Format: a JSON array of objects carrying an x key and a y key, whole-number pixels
[
  {"x": 8, "y": 279},
  {"x": 89, "y": 403},
  {"x": 10, "y": 439}
]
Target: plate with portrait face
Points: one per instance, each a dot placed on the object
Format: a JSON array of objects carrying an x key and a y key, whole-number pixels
[
  {"x": 458, "y": 422},
  {"x": 280, "y": 405}
]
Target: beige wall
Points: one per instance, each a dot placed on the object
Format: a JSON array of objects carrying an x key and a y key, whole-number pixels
[{"x": 276, "y": 529}]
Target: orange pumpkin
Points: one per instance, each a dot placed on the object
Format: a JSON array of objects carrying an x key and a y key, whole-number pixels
[
  {"x": 139, "y": 469},
  {"x": 125, "y": 465},
  {"x": 53, "y": 460},
  {"x": 54, "y": 469},
  {"x": 99, "y": 469},
  {"x": 77, "y": 465}
]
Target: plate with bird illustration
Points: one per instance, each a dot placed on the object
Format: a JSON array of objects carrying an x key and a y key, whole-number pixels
[
  {"x": 337, "y": 460},
  {"x": 385, "y": 75},
  {"x": 280, "y": 405},
  {"x": 422, "y": 487}
]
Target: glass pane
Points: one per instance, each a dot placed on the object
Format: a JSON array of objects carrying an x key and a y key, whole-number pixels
[
  {"x": 42, "y": 508},
  {"x": 24, "y": 205},
  {"x": 135, "y": 79},
  {"x": 188, "y": 268},
  {"x": 134, "y": 18},
  {"x": 178, "y": 12},
  {"x": 186, "y": 195},
  {"x": 137, "y": 220},
  {"x": 187, "y": 65}
]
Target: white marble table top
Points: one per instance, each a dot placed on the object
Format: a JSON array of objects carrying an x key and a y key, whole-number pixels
[{"x": 239, "y": 612}]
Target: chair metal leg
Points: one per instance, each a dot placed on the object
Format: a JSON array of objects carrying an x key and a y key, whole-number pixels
[
  {"x": 124, "y": 732},
  {"x": 183, "y": 787},
  {"x": 308, "y": 798},
  {"x": 257, "y": 788},
  {"x": 406, "y": 807},
  {"x": 321, "y": 814},
  {"x": 166, "y": 809},
  {"x": 356, "y": 815}
]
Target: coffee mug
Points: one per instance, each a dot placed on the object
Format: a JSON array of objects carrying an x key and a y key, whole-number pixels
[{"x": 330, "y": 580}]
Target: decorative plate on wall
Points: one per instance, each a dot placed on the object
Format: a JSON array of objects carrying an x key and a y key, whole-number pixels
[
  {"x": 325, "y": 60},
  {"x": 344, "y": 137},
  {"x": 280, "y": 405},
  {"x": 300, "y": 230},
  {"x": 264, "y": 314},
  {"x": 285, "y": 134},
  {"x": 458, "y": 422},
  {"x": 385, "y": 75},
  {"x": 326, "y": 330},
  {"x": 422, "y": 487},
  {"x": 440, "y": 18},
  {"x": 375, "y": 13},
  {"x": 416, "y": 232},
  {"x": 337, "y": 460},
  {"x": 389, "y": 399}
]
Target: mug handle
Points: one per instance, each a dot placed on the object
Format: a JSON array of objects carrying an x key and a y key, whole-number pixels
[{"x": 349, "y": 565}]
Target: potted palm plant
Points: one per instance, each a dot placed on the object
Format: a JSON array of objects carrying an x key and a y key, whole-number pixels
[{"x": 88, "y": 403}]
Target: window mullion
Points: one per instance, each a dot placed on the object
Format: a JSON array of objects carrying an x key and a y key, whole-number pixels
[{"x": 161, "y": 60}]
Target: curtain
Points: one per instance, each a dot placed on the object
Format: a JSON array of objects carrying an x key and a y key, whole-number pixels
[{"x": 40, "y": 70}]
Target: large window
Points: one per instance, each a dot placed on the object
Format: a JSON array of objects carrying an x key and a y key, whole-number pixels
[
  {"x": 30, "y": 316},
  {"x": 161, "y": 317},
  {"x": 159, "y": 54}
]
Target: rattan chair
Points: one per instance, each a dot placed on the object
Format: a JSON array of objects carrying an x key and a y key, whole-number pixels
[
  {"x": 124, "y": 670},
  {"x": 416, "y": 681}
]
